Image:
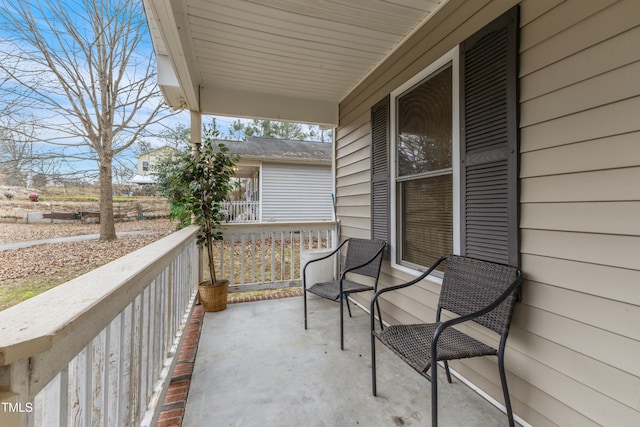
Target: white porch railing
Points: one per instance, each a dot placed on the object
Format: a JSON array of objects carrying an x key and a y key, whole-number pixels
[
  {"x": 267, "y": 255},
  {"x": 98, "y": 350},
  {"x": 242, "y": 211}
]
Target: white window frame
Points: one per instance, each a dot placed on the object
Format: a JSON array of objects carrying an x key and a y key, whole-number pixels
[{"x": 450, "y": 57}]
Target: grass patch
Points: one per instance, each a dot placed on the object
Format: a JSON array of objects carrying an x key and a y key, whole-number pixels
[
  {"x": 15, "y": 293},
  {"x": 93, "y": 198},
  {"x": 71, "y": 197}
]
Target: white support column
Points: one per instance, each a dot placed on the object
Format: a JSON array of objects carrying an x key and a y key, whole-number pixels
[
  {"x": 196, "y": 129},
  {"x": 196, "y": 138}
]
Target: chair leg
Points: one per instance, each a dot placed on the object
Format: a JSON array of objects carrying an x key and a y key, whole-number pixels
[
  {"x": 304, "y": 297},
  {"x": 446, "y": 368},
  {"x": 346, "y": 297},
  {"x": 379, "y": 315},
  {"x": 341, "y": 323},
  {"x": 434, "y": 393},
  {"x": 373, "y": 364},
  {"x": 505, "y": 389}
]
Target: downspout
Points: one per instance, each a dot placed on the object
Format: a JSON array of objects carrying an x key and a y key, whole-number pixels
[{"x": 336, "y": 241}]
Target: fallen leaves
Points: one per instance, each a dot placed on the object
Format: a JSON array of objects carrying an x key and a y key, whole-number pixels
[
  {"x": 18, "y": 232},
  {"x": 57, "y": 263}
]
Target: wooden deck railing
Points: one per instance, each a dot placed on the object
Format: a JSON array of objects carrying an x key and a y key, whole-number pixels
[
  {"x": 242, "y": 211},
  {"x": 98, "y": 350},
  {"x": 267, "y": 255}
]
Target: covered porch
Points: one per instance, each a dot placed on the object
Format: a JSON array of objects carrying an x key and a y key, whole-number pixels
[
  {"x": 102, "y": 349},
  {"x": 333, "y": 64}
]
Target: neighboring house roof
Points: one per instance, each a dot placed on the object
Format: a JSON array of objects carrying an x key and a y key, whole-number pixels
[
  {"x": 255, "y": 148},
  {"x": 143, "y": 179},
  {"x": 163, "y": 148}
]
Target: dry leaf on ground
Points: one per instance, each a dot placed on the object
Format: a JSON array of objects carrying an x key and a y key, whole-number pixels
[{"x": 84, "y": 256}]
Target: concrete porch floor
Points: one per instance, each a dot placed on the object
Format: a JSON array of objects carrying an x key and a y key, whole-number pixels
[{"x": 257, "y": 366}]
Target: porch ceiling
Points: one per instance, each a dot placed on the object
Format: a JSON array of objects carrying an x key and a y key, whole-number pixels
[{"x": 277, "y": 59}]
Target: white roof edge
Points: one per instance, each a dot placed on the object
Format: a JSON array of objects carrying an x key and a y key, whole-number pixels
[{"x": 163, "y": 11}]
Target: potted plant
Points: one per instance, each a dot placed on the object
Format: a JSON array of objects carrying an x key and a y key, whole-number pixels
[{"x": 196, "y": 183}]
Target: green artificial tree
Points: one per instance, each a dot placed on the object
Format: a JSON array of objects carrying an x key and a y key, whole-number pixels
[{"x": 196, "y": 183}]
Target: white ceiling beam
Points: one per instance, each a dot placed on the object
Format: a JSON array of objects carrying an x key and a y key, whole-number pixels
[{"x": 240, "y": 103}]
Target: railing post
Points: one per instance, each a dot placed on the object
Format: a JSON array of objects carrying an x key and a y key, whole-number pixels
[
  {"x": 170, "y": 313},
  {"x": 232, "y": 265},
  {"x": 201, "y": 263},
  {"x": 8, "y": 415},
  {"x": 15, "y": 402}
]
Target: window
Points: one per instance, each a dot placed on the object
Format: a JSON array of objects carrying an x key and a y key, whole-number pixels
[
  {"x": 145, "y": 166},
  {"x": 445, "y": 147},
  {"x": 423, "y": 147}
]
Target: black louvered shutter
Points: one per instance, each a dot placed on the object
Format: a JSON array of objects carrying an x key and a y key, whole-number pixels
[
  {"x": 489, "y": 141},
  {"x": 380, "y": 171}
]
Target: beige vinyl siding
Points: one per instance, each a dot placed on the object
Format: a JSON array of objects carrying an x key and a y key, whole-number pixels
[
  {"x": 296, "y": 192},
  {"x": 575, "y": 342},
  {"x": 353, "y": 178},
  {"x": 580, "y": 233},
  {"x": 602, "y": 153},
  {"x": 579, "y": 206}
]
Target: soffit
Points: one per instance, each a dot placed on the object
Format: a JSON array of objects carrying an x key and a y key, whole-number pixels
[{"x": 276, "y": 57}]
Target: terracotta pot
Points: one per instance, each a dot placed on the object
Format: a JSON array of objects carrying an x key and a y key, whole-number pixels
[{"x": 214, "y": 298}]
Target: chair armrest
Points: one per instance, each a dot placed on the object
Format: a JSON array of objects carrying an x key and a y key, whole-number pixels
[
  {"x": 400, "y": 286},
  {"x": 412, "y": 282},
  {"x": 447, "y": 324}
]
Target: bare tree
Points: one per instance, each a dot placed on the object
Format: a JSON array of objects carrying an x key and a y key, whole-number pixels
[
  {"x": 177, "y": 137},
  {"x": 48, "y": 170},
  {"x": 240, "y": 129},
  {"x": 23, "y": 160},
  {"x": 122, "y": 171},
  {"x": 142, "y": 146},
  {"x": 88, "y": 68},
  {"x": 16, "y": 152}
]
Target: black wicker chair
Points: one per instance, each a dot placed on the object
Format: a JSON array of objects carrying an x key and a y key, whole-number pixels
[
  {"x": 474, "y": 290},
  {"x": 364, "y": 257}
]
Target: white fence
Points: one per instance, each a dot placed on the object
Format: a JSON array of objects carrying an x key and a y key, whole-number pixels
[
  {"x": 98, "y": 350},
  {"x": 242, "y": 211},
  {"x": 267, "y": 255}
]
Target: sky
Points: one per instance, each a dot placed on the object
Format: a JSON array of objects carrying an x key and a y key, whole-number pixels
[
  {"x": 58, "y": 118},
  {"x": 59, "y": 127}
]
